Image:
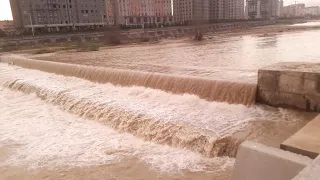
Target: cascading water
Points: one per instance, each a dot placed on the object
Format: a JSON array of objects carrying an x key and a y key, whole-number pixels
[
  {"x": 183, "y": 121},
  {"x": 208, "y": 89}
]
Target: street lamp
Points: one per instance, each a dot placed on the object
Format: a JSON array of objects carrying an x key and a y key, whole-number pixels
[
  {"x": 32, "y": 29},
  {"x": 102, "y": 19}
]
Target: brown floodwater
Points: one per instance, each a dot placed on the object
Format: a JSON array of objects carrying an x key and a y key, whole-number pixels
[
  {"x": 60, "y": 127},
  {"x": 220, "y": 56},
  {"x": 69, "y": 128}
]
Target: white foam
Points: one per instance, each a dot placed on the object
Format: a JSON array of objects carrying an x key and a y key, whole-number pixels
[
  {"x": 221, "y": 118},
  {"x": 45, "y": 136}
]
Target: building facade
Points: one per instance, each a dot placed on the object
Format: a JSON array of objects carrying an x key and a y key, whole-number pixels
[
  {"x": 299, "y": 10},
  {"x": 183, "y": 10},
  {"x": 262, "y": 9},
  {"x": 312, "y": 11},
  {"x": 233, "y": 9},
  {"x": 216, "y": 8},
  {"x": 58, "y": 13},
  {"x": 294, "y": 10},
  {"x": 139, "y": 12},
  {"x": 207, "y": 10}
]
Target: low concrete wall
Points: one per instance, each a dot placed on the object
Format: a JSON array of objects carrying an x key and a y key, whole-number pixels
[
  {"x": 258, "y": 162},
  {"x": 294, "y": 85},
  {"x": 311, "y": 172},
  {"x": 132, "y": 34}
]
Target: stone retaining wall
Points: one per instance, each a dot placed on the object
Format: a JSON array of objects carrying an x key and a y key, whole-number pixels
[{"x": 294, "y": 85}]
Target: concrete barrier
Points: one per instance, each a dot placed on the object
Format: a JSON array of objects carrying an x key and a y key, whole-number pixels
[
  {"x": 311, "y": 172},
  {"x": 258, "y": 162},
  {"x": 287, "y": 84},
  {"x": 306, "y": 141}
]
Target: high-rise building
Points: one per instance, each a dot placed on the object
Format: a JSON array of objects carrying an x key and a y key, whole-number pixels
[
  {"x": 207, "y": 10},
  {"x": 58, "y": 13},
  {"x": 233, "y": 9},
  {"x": 191, "y": 10},
  {"x": 140, "y": 11},
  {"x": 262, "y": 9},
  {"x": 216, "y": 9}
]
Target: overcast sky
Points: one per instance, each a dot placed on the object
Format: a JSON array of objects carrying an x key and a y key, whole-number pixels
[{"x": 5, "y": 11}]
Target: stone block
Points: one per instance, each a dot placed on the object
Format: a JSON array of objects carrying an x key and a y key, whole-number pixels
[
  {"x": 309, "y": 86},
  {"x": 258, "y": 162},
  {"x": 89, "y": 38},
  {"x": 290, "y": 84},
  {"x": 293, "y": 100},
  {"x": 282, "y": 99},
  {"x": 61, "y": 40},
  {"x": 76, "y": 39},
  {"x": 44, "y": 41},
  {"x": 268, "y": 81},
  {"x": 311, "y": 76}
]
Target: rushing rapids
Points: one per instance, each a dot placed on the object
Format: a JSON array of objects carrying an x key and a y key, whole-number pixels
[
  {"x": 44, "y": 136},
  {"x": 208, "y": 89},
  {"x": 179, "y": 121}
]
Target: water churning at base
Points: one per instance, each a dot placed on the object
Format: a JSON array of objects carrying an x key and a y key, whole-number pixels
[
  {"x": 182, "y": 121},
  {"x": 105, "y": 110},
  {"x": 208, "y": 89}
]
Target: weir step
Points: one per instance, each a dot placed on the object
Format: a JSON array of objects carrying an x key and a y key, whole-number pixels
[{"x": 306, "y": 141}]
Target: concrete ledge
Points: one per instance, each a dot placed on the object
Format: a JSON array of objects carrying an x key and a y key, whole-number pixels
[
  {"x": 258, "y": 162},
  {"x": 311, "y": 172},
  {"x": 306, "y": 141}
]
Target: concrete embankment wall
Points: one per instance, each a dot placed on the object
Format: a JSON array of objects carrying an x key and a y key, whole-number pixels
[
  {"x": 258, "y": 162},
  {"x": 131, "y": 34},
  {"x": 295, "y": 85},
  {"x": 255, "y": 161}
]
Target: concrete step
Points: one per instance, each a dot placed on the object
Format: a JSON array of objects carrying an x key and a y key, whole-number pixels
[{"x": 306, "y": 141}]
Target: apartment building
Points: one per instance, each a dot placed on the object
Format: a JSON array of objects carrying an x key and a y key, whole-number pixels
[
  {"x": 183, "y": 10},
  {"x": 262, "y": 9},
  {"x": 312, "y": 11},
  {"x": 299, "y": 10},
  {"x": 233, "y": 9},
  {"x": 207, "y": 10},
  {"x": 58, "y": 13},
  {"x": 139, "y": 12},
  {"x": 217, "y": 9},
  {"x": 191, "y": 10},
  {"x": 294, "y": 10}
]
